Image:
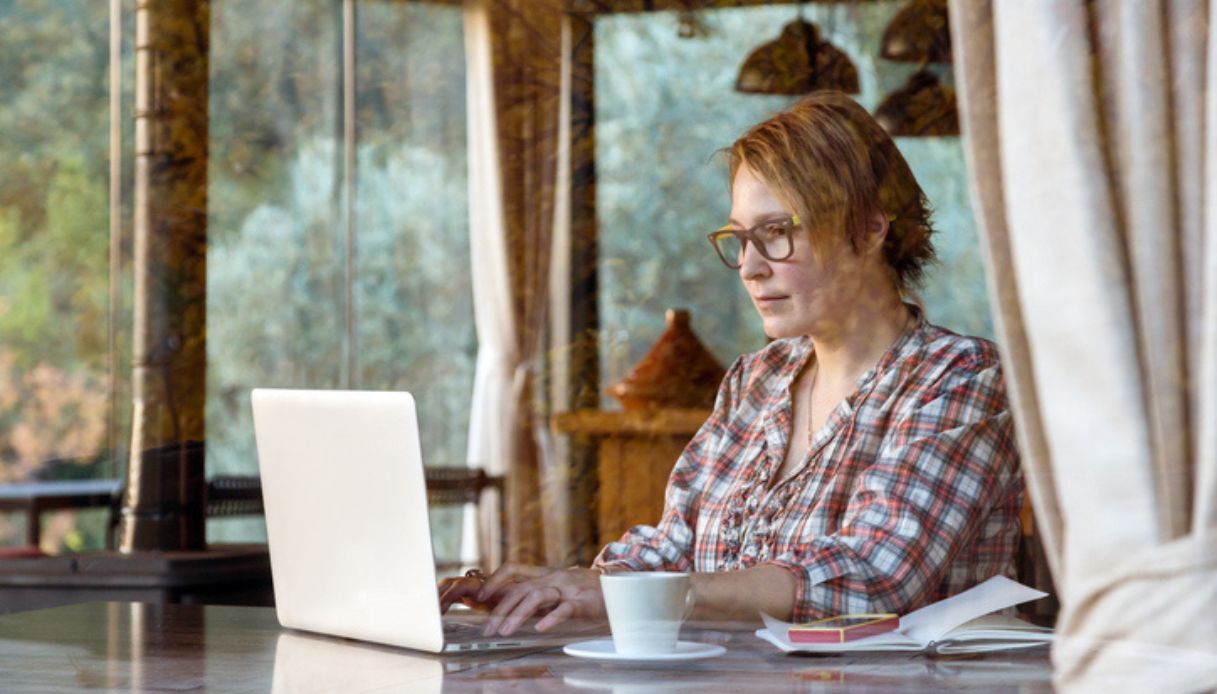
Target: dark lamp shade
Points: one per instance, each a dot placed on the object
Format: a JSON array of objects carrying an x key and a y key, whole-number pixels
[
  {"x": 797, "y": 62},
  {"x": 921, "y": 108},
  {"x": 919, "y": 33}
]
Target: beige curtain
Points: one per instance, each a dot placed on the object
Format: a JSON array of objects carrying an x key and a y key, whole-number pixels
[
  {"x": 514, "y": 52},
  {"x": 1090, "y": 129}
]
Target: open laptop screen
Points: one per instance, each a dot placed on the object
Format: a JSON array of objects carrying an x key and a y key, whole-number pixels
[{"x": 346, "y": 515}]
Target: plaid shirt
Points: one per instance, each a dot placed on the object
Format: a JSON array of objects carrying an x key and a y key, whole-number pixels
[{"x": 909, "y": 494}]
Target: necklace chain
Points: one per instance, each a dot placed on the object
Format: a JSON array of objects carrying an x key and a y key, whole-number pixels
[
  {"x": 811, "y": 389},
  {"x": 815, "y": 373}
]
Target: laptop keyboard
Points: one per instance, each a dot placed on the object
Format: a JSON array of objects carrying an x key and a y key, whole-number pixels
[
  {"x": 457, "y": 629},
  {"x": 461, "y": 629}
]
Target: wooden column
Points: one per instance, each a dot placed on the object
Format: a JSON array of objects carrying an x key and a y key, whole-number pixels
[
  {"x": 582, "y": 350},
  {"x": 162, "y": 507}
]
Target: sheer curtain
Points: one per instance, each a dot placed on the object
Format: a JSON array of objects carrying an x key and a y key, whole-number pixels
[
  {"x": 492, "y": 408},
  {"x": 514, "y": 50},
  {"x": 1090, "y": 130}
]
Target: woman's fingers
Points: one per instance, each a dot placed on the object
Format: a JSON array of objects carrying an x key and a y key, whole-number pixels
[
  {"x": 454, "y": 590},
  {"x": 564, "y": 611},
  {"x": 534, "y": 600},
  {"x": 518, "y": 603},
  {"x": 506, "y": 576},
  {"x": 507, "y": 602},
  {"x": 518, "y": 592},
  {"x": 446, "y": 598}
]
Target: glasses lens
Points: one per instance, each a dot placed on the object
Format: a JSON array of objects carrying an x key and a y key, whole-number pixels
[
  {"x": 774, "y": 239},
  {"x": 729, "y": 248}
]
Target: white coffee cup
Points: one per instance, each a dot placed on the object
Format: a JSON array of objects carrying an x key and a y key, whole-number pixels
[{"x": 645, "y": 609}]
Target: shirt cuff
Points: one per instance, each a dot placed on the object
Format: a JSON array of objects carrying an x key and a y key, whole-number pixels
[{"x": 801, "y": 610}]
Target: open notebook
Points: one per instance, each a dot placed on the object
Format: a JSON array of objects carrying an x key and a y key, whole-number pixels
[{"x": 962, "y": 623}]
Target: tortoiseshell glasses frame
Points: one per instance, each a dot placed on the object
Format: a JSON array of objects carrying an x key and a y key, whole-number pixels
[{"x": 773, "y": 238}]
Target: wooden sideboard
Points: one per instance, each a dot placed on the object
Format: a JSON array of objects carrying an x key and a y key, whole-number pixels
[{"x": 635, "y": 453}]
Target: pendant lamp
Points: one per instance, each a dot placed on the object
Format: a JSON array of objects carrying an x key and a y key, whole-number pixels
[
  {"x": 797, "y": 62},
  {"x": 920, "y": 32},
  {"x": 923, "y": 107}
]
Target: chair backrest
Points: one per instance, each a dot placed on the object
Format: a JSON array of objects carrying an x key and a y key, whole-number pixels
[
  {"x": 241, "y": 495},
  {"x": 461, "y": 486},
  {"x": 1031, "y": 565}
]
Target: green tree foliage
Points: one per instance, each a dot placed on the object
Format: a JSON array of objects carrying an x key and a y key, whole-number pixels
[
  {"x": 54, "y": 158},
  {"x": 53, "y": 222},
  {"x": 54, "y": 219},
  {"x": 54, "y": 55},
  {"x": 55, "y": 280}
]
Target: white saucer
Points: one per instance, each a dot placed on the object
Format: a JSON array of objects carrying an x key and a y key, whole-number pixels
[{"x": 602, "y": 649}]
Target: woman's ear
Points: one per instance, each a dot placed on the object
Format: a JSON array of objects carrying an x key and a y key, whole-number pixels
[{"x": 877, "y": 224}]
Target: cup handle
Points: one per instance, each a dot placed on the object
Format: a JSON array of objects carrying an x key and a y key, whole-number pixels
[{"x": 690, "y": 601}]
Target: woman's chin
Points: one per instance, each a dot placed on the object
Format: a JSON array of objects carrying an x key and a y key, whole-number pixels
[{"x": 781, "y": 329}]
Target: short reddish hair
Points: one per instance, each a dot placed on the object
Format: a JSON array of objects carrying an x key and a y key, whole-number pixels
[{"x": 828, "y": 159}]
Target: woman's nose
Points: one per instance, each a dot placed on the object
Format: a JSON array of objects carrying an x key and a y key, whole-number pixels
[{"x": 752, "y": 263}]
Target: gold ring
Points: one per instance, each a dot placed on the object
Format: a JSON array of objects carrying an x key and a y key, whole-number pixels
[{"x": 476, "y": 573}]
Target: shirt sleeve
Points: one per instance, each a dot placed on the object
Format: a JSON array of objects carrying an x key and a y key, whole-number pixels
[
  {"x": 668, "y": 545},
  {"x": 950, "y": 459}
]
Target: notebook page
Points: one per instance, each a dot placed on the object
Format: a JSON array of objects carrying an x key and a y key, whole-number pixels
[{"x": 932, "y": 622}]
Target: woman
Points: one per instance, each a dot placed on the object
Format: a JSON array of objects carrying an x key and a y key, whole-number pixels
[{"x": 864, "y": 461}]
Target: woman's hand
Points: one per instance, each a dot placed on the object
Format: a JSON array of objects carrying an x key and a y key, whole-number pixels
[
  {"x": 469, "y": 589},
  {"x": 462, "y": 589},
  {"x": 516, "y": 592}
]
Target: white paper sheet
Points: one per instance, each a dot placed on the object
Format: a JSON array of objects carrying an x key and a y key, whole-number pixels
[{"x": 931, "y": 622}]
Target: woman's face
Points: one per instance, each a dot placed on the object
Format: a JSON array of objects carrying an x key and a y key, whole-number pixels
[{"x": 810, "y": 293}]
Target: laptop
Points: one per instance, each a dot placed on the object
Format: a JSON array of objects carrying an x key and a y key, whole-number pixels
[{"x": 347, "y": 523}]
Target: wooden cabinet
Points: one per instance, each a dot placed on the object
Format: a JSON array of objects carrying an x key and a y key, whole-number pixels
[{"x": 635, "y": 454}]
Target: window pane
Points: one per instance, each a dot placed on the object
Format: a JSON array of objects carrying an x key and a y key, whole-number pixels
[
  {"x": 278, "y": 225},
  {"x": 275, "y": 263},
  {"x": 664, "y": 105},
  {"x": 55, "y": 412},
  {"x": 413, "y": 294}
]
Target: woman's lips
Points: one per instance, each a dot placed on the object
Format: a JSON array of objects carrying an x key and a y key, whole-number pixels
[{"x": 763, "y": 301}]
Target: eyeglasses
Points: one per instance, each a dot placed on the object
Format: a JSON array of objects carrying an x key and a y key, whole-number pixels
[{"x": 774, "y": 239}]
